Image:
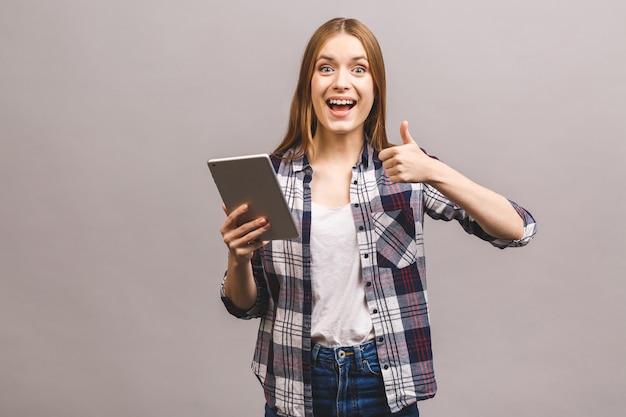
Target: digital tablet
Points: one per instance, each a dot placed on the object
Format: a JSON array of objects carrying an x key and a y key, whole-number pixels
[{"x": 251, "y": 179}]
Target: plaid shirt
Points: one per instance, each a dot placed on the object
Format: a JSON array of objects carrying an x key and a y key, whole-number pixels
[{"x": 388, "y": 218}]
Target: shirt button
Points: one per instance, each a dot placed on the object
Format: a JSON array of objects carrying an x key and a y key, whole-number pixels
[
  {"x": 355, "y": 182},
  {"x": 361, "y": 228},
  {"x": 356, "y": 204},
  {"x": 380, "y": 339},
  {"x": 385, "y": 366},
  {"x": 375, "y": 311},
  {"x": 366, "y": 256}
]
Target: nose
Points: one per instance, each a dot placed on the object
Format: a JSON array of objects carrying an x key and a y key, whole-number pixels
[{"x": 342, "y": 80}]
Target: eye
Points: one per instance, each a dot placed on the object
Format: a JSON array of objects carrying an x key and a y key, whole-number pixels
[
  {"x": 360, "y": 70},
  {"x": 325, "y": 69}
]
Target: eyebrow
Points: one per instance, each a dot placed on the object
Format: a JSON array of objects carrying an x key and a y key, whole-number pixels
[{"x": 330, "y": 58}]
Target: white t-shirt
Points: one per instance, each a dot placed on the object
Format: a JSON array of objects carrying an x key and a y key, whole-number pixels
[{"x": 340, "y": 314}]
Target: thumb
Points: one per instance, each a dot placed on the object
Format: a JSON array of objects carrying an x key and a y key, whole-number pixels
[{"x": 404, "y": 133}]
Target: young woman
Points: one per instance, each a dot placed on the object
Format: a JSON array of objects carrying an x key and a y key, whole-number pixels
[{"x": 344, "y": 325}]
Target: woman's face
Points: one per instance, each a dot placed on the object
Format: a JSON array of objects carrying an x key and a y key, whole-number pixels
[{"x": 342, "y": 88}]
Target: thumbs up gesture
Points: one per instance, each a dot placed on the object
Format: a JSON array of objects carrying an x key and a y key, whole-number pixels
[{"x": 407, "y": 162}]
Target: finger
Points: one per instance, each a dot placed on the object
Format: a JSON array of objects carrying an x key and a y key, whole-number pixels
[
  {"x": 234, "y": 215},
  {"x": 384, "y": 154},
  {"x": 232, "y": 219},
  {"x": 404, "y": 133},
  {"x": 249, "y": 238},
  {"x": 388, "y": 153},
  {"x": 248, "y": 248},
  {"x": 254, "y": 236},
  {"x": 388, "y": 164},
  {"x": 243, "y": 240},
  {"x": 252, "y": 229}
]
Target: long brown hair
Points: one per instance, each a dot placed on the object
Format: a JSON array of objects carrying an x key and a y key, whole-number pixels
[{"x": 302, "y": 119}]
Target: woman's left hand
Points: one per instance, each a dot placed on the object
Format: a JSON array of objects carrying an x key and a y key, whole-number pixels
[{"x": 407, "y": 162}]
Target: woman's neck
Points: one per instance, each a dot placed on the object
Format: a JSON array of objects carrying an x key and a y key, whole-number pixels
[
  {"x": 336, "y": 149},
  {"x": 332, "y": 160}
]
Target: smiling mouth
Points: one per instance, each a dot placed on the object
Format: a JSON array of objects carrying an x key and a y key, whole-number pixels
[{"x": 340, "y": 105}]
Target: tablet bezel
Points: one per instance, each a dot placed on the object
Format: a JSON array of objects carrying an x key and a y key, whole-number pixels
[{"x": 251, "y": 179}]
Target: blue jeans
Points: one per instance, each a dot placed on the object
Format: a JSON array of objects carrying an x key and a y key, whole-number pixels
[{"x": 347, "y": 382}]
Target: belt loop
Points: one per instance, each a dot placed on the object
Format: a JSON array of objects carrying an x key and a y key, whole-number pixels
[
  {"x": 315, "y": 352},
  {"x": 358, "y": 357}
]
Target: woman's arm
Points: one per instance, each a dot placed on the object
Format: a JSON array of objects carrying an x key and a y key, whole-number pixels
[
  {"x": 239, "y": 285},
  {"x": 493, "y": 212}
]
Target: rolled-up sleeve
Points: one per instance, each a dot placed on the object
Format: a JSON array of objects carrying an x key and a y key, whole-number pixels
[
  {"x": 530, "y": 229},
  {"x": 439, "y": 207}
]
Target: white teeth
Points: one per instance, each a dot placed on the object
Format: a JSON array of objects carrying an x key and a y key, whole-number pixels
[{"x": 341, "y": 102}]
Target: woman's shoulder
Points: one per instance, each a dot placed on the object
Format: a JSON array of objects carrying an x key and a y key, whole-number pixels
[{"x": 288, "y": 161}]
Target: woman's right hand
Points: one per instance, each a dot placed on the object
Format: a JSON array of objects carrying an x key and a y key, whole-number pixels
[
  {"x": 239, "y": 285},
  {"x": 243, "y": 240}
]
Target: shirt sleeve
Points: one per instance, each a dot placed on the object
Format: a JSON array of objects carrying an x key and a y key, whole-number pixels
[
  {"x": 260, "y": 305},
  {"x": 439, "y": 207}
]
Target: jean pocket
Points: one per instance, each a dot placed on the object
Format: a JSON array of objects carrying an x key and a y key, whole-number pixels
[
  {"x": 395, "y": 238},
  {"x": 371, "y": 366}
]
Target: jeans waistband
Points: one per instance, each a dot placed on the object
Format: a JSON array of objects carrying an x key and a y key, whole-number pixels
[{"x": 343, "y": 354}]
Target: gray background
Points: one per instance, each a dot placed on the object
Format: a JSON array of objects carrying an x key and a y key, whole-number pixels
[{"x": 110, "y": 255}]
